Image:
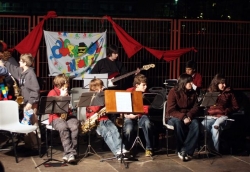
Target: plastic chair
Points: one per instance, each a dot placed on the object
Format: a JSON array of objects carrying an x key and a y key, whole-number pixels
[
  {"x": 9, "y": 121},
  {"x": 167, "y": 126}
]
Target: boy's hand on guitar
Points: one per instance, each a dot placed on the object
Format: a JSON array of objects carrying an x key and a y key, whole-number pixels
[{"x": 137, "y": 71}]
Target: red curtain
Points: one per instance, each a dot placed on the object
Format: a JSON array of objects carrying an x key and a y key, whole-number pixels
[
  {"x": 31, "y": 42},
  {"x": 131, "y": 46}
]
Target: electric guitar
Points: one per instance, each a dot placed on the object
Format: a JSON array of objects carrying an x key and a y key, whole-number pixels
[{"x": 111, "y": 79}]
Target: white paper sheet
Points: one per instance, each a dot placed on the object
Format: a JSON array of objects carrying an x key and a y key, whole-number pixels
[{"x": 123, "y": 101}]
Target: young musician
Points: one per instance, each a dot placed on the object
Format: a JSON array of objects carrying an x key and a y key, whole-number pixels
[
  {"x": 29, "y": 87},
  {"x": 182, "y": 108},
  {"x": 130, "y": 121},
  {"x": 197, "y": 78},
  {"x": 68, "y": 128},
  {"x": 226, "y": 103},
  {"x": 110, "y": 64},
  {"x": 106, "y": 128}
]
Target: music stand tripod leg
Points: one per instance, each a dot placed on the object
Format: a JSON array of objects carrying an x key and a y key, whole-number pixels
[
  {"x": 50, "y": 159},
  {"x": 205, "y": 148},
  {"x": 89, "y": 148},
  {"x": 138, "y": 139}
]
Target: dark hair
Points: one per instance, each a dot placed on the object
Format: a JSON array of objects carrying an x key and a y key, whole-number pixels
[
  {"x": 191, "y": 64},
  {"x": 218, "y": 79},
  {"x": 182, "y": 81},
  {"x": 112, "y": 49}
]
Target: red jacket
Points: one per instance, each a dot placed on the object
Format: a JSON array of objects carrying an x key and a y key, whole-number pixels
[
  {"x": 91, "y": 110},
  {"x": 145, "y": 107},
  {"x": 181, "y": 104},
  {"x": 197, "y": 79},
  {"x": 55, "y": 92}
]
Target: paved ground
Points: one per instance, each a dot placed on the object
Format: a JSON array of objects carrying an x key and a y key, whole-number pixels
[{"x": 28, "y": 160}]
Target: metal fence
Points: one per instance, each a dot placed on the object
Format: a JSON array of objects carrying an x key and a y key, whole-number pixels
[{"x": 223, "y": 46}]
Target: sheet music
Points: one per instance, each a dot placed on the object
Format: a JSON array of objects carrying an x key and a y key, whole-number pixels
[{"x": 123, "y": 102}]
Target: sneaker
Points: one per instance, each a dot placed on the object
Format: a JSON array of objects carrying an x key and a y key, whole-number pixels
[
  {"x": 71, "y": 158},
  {"x": 65, "y": 158},
  {"x": 182, "y": 155},
  {"x": 120, "y": 156},
  {"x": 124, "y": 151},
  {"x": 188, "y": 157},
  {"x": 148, "y": 153}
]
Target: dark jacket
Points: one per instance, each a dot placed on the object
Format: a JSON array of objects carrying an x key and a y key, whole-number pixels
[
  {"x": 107, "y": 66},
  {"x": 28, "y": 83},
  {"x": 181, "y": 104}
]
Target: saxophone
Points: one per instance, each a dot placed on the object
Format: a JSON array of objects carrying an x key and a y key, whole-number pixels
[
  {"x": 19, "y": 98},
  {"x": 92, "y": 122}
]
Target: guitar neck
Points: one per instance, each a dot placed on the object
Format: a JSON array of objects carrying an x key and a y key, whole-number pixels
[{"x": 124, "y": 76}]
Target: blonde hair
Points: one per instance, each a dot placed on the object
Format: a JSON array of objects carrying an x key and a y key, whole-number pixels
[
  {"x": 96, "y": 84},
  {"x": 61, "y": 81},
  {"x": 27, "y": 58}
]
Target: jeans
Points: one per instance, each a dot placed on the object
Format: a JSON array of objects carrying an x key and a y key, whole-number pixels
[
  {"x": 110, "y": 134},
  {"x": 210, "y": 123},
  {"x": 144, "y": 123},
  {"x": 68, "y": 131},
  {"x": 186, "y": 135}
]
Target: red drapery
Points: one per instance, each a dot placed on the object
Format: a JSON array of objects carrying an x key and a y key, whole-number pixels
[
  {"x": 131, "y": 46},
  {"x": 31, "y": 42}
]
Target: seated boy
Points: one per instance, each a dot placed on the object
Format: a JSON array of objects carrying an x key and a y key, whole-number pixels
[
  {"x": 130, "y": 120},
  {"x": 105, "y": 127}
]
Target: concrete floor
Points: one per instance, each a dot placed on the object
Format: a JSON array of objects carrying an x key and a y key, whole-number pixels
[{"x": 28, "y": 160}]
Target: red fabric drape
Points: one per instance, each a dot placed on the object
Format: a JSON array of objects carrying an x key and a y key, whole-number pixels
[
  {"x": 174, "y": 54},
  {"x": 157, "y": 53},
  {"x": 31, "y": 42},
  {"x": 130, "y": 45}
]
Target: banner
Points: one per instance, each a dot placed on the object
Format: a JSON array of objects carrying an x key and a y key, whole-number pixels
[{"x": 74, "y": 53}]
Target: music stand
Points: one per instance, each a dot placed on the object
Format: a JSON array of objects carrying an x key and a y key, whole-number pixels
[
  {"x": 53, "y": 105},
  {"x": 91, "y": 99},
  {"x": 118, "y": 101},
  {"x": 208, "y": 100}
]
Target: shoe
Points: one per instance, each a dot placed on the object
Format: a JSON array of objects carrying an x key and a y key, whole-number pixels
[
  {"x": 119, "y": 157},
  {"x": 188, "y": 157},
  {"x": 148, "y": 153},
  {"x": 124, "y": 151},
  {"x": 71, "y": 158},
  {"x": 182, "y": 155},
  {"x": 65, "y": 158}
]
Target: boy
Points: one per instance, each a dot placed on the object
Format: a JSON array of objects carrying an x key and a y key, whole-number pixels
[
  {"x": 106, "y": 128},
  {"x": 139, "y": 84},
  {"x": 68, "y": 128}
]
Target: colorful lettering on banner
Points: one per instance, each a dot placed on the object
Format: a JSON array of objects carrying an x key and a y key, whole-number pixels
[{"x": 74, "y": 53}]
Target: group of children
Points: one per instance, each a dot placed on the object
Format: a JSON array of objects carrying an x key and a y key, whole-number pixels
[{"x": 68, "y": 129}]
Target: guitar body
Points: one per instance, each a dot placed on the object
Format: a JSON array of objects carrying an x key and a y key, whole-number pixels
[
  {"x": 111, "y": 78},
  {"x": 110, "y": 83}
]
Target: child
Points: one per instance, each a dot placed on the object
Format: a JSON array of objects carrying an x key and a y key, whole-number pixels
[
  {"x": 68, "y": 128},
  {"x": 29, "y": 89},
  {"x": 139, "y": 84},
  {"x": 226, "y": 104},
  {"x": 106, "y": 127}
]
